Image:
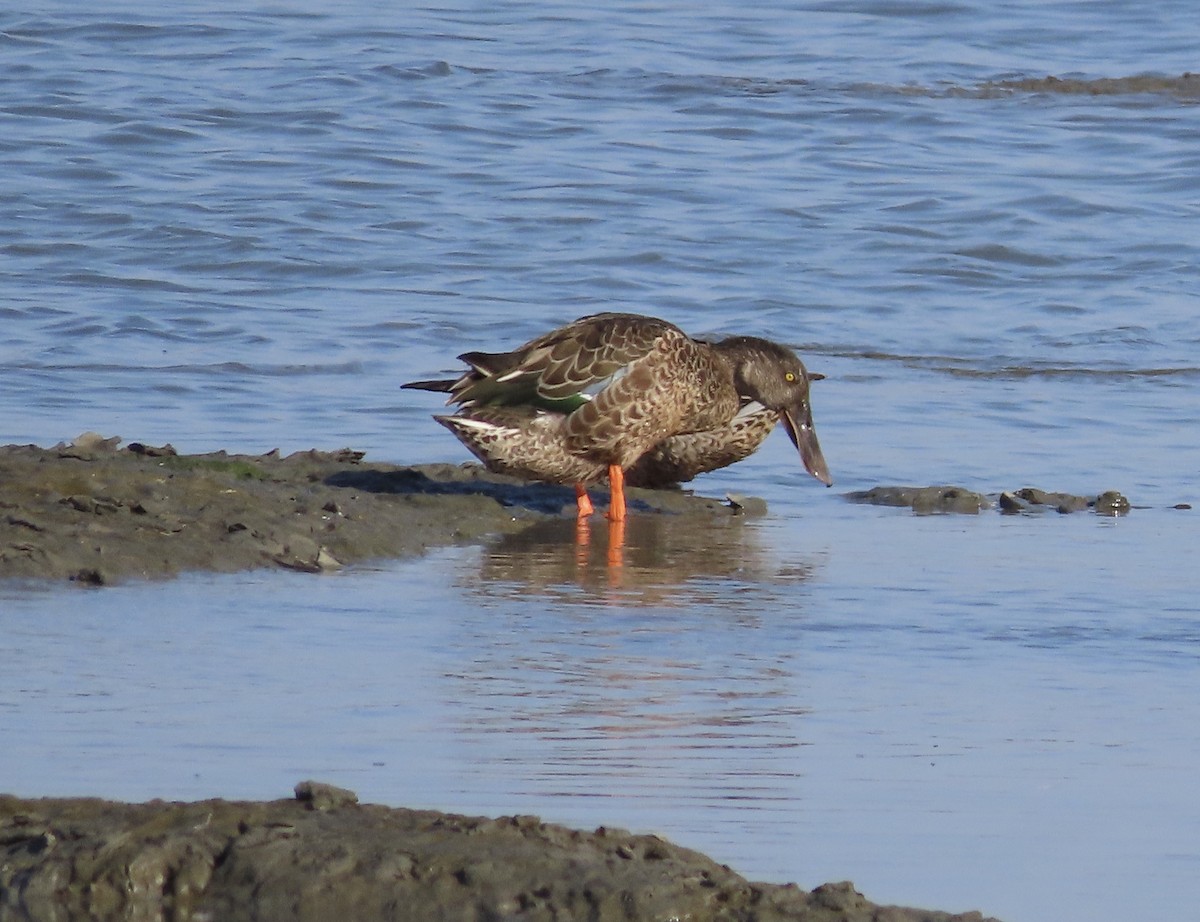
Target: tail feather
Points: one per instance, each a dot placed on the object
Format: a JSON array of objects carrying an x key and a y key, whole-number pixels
[
  {"x": 488, "y": 364},
  {"x": 441, "y": 386}
]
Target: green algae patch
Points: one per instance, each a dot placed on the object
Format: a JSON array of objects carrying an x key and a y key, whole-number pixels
[{"x": 234, "y": 467}]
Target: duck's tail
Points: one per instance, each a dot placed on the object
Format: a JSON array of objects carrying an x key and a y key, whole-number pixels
[{"x": 444, "y": 386}]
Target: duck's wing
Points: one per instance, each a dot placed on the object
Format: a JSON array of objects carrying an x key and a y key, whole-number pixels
[{"x": 561, "y": 369}]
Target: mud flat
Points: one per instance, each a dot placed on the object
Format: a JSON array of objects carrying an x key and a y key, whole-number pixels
[
  {"x": 323, "y": 856},
  {"x": 96, "y": 513}
]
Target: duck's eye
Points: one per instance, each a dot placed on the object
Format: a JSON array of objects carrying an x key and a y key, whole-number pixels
[{"x": 789, "y": 376}]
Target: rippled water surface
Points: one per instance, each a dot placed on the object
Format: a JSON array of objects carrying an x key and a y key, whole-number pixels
[{"x": 243, "y": 230}]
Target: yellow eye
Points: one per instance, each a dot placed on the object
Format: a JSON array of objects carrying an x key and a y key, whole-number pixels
[{"x": 788, "y": 376}]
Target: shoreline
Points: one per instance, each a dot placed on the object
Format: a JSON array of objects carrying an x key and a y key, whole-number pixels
[
  {"x": 94, "y": 513},
  {"x": 322, "y": 855}
]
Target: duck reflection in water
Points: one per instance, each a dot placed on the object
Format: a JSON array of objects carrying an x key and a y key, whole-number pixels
[{"x": 654, "y": 559}]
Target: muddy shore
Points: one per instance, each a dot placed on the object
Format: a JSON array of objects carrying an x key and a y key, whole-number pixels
[
  {"x": 322, "y": 856},
  {"x": 97, "y": 512}
]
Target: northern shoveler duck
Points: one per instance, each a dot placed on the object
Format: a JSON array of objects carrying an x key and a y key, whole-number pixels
[{"x": 615, "y": 393}]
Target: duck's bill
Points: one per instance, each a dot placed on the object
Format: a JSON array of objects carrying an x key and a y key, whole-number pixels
[{"x": 800, "y": 429}]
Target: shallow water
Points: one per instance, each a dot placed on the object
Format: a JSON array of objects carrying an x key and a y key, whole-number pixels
[
  {"x": 243, "y": 230},
  {"x": 919, "y": 703}
]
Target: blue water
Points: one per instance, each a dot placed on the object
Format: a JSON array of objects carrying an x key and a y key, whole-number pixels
[{"x": 243, "y": 230}]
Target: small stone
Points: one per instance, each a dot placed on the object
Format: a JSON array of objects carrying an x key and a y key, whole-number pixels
[
  {"x": 150, "y": 451},
  {"x": 321, "y": 796},
  {"x": 94, "y": 441},
  {"x": 746, "y": 505},
  {"x": 90, "y": 576},
  {"x": 1009, "y": 503},
  {"x": 1111, "y": 503},
  {"x": 326, "y": 561}
]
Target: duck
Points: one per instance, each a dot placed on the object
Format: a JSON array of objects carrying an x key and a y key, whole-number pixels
[{"x": 629, "y": 397}]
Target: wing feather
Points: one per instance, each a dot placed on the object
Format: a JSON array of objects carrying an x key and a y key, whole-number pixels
[{"x": 563, "y": 365}]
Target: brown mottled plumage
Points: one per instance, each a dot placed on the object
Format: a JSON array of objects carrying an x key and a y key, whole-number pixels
[
  {"x": 681, "y": 458},
  {"x": 624, "y": 393}
]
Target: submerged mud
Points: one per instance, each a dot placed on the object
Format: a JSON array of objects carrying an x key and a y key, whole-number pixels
[
  {"x": 951, "y": 499},
  {"x": 324, "y": 856},
  {"x": 1186, "y": 85}
]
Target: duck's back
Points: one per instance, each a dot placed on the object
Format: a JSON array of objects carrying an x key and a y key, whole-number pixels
[{"x": 659, "y": 382}]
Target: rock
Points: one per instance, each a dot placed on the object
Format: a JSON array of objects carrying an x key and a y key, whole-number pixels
[
  {"x": 1062, "y": 502},
  {"x": 165, "y": 451},
  {"x": 1111, "y": 502},
  {"x": 924, "y": 500},
  {"x": 321, "y": 796},
  {"x": 929, "y": 500},
  {"x": 326, "y": 561},
  {"x": 1009, "y": 502},
  {"x": 747, "y": 505}
]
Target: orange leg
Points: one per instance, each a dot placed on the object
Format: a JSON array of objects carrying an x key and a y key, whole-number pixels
[
  {"x": 583, "y": 501},
  {"x": 616, "y": 482}
]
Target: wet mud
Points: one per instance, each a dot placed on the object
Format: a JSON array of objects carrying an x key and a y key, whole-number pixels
[
  {"x": 1027, "y": 500},
  {"x": 95, "y": 512},
  {"x": 322, "y": 856}
]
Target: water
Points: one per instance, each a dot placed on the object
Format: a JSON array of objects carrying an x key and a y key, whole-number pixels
[{"x": 243, "y": 230}]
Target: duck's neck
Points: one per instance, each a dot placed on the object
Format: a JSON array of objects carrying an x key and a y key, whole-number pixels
[{"x": 737, "y": 353}]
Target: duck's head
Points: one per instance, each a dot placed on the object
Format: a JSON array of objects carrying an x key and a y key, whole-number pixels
[{"x": 774, "y": 376}]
